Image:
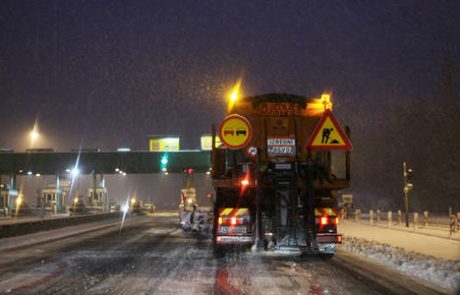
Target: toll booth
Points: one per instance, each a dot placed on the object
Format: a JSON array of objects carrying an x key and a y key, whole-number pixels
[
  {"x": 4, "y": 192},
  {"x": 347, "y": 201},
  {"x": 53, "y": 199},
  {"x": 97, "y": 196}
]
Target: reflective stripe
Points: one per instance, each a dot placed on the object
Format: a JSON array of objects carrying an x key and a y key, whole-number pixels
[
  {"x": 324, "y": 211},
  {"x": 330, "y": 212},
  {"x": 226, "y": 211},
  {"x": 317, "y": 212},
  {"x": 241, "y": 211},
  {"x": 234, "y": 212}
]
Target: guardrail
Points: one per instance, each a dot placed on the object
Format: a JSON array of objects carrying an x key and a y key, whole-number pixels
[{"x": 28, "y": 227}]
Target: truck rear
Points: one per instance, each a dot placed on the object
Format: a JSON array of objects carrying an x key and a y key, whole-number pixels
[{"x": 273, "y": 176}]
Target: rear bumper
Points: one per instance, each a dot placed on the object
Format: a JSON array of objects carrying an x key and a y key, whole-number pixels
[
  {"x": 329, "y": 238},
  {"x": 234, "y": 240}
]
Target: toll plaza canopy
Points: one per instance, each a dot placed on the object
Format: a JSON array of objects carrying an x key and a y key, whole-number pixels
[{"x": 104, "y": 162}]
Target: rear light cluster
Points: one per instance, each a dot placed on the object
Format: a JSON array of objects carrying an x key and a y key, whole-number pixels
[
  {"x": 230, "y": 220},
  {"x": 325, "y": 220}
]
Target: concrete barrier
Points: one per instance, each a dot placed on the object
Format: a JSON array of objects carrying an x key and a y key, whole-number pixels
[{"x": 22, "y": 228}]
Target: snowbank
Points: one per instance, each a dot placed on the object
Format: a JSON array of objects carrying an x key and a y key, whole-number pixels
[{"x": 444, "y": 273}]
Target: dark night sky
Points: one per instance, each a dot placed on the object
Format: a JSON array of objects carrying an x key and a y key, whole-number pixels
[{"x": 107, "y": 73}]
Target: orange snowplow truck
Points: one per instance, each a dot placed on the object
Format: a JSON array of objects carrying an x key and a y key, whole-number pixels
[{"x": 273, "y": 177}]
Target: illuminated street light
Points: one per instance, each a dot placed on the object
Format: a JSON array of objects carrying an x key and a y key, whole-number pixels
[
  {"x": 74, "y": 172},
  {"x": 75, "y": 200},
  {"x": 133, "y": 201},
  {"x": 19, "y": 201},
  {"x": 29, "y": 173},
  {"x": 34, "y": 134},
  {"x": 38, "y": 174}
]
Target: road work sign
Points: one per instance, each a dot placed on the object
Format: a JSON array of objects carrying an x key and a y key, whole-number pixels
[
  {"x": 235, "y": 131},
  {"x": 328, "y": 135}
]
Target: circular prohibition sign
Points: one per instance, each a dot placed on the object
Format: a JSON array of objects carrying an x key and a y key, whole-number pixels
[{"x": 235, "y": 131}]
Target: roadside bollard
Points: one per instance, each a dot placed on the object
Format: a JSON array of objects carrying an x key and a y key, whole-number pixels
[
  {"x": 425, "y": 218},
  {"x": 371, "y": 216},
  {"x": 378, "y": 215},
  {"x": 452, "y": 224},
  {"x": 389, "y": 217},
  {"x": 415, "y": 220},
  {"x": 458, "y": 221},
  {"x": 399, "y": 217}
]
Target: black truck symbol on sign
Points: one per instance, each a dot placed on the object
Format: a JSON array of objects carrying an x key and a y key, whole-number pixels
[{"x": 241, "y": 131}]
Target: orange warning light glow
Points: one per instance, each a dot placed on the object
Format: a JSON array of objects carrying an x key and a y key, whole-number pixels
[
  {"x": 319, "y": 105},
  {"x": 234, "y": 94}
]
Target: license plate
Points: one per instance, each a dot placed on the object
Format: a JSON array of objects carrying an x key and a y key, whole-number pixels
[{"x": 232, "y": 229}]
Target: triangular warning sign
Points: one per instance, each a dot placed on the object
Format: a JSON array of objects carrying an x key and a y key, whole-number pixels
[{"x": 328, "y": 135}]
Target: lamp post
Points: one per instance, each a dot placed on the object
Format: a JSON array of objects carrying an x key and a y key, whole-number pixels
[{"x": 408, "y": 186}]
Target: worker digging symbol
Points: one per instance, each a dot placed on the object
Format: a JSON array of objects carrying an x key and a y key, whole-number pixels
[{"x": 326, "y": 134}]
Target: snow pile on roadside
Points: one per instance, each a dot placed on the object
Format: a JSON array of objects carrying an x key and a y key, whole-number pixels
[{"x": 438, "y": 271}]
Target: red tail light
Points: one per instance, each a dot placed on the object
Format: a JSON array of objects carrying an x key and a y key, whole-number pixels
[
  {"x": 336, "y": 220},
  {"x": 219, "y": 220},
  {"x": 245, "y": 182},
  {"x": 233, "y": 221}
]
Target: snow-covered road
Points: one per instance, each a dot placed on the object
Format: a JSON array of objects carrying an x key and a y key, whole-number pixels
[{"x": 153, "y": 256}]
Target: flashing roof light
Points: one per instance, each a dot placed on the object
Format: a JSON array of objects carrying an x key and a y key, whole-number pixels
[
  {"x": 234, "y": 94},
  {"x": 319, "y": 105},
  {"x": 326, "y": 101}
]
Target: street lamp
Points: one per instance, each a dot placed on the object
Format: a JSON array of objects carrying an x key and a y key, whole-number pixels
[{"x": 34, "y": 135}]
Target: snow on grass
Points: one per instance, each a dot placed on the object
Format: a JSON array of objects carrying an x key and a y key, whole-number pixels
[{"x": 445, "y": 273}]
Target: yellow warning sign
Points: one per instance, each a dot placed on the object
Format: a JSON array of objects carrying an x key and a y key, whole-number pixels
[
  {"x": 235, "y": 131},
  {"x": 328, "y": 135}
]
